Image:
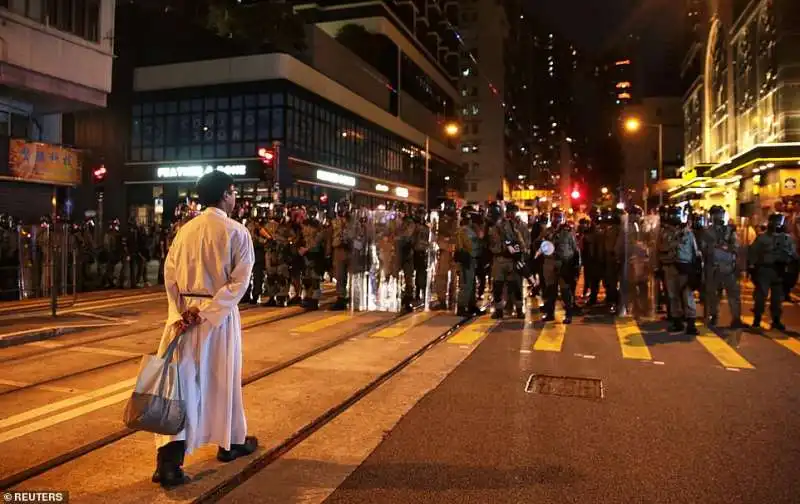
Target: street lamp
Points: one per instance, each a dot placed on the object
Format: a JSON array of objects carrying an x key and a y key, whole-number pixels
[
  {"x": 451, "y": 129},
  {"x": 633, "y": 125},
  {"x": 604, "y": 190}
]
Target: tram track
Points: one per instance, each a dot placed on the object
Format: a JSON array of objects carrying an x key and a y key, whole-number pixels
[
  {"x": 136, "y": 358},
  {"x": 87, "y": 448}
]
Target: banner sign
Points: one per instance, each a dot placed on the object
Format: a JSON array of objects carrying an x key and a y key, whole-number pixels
[{"x": 40, "y": 162}]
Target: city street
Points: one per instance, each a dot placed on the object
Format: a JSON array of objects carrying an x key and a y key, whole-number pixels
[{"x": 376, "y": 407}]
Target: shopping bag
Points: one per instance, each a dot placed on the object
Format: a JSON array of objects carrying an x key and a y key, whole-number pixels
[{"x": 157, "y": 404}]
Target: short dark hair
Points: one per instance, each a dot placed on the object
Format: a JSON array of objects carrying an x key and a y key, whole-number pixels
[{"x": 212, "y": 186}]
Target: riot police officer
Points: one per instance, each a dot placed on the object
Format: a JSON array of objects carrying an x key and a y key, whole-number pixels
[
  {"x": 560, "y": 266},
  {"x": 768, "y": 260},
  {"x": 312, "y": 250},
  {"x": 467, "y": 252},
  {"x": 720, "y": 248},
  {"x": 677, "y": 255},
  {"x": 445, "y": 265},
  {"x": 507, "y": 243},
  {"x": 339, "y": 245}
]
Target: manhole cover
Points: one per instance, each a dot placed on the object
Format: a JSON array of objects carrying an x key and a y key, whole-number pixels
[{"x": 567, "y": 386}]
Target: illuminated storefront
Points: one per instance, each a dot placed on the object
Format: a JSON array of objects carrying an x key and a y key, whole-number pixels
[{"x": 742, "y": 114}]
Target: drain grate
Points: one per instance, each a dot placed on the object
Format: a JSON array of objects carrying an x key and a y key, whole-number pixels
[{"x": 566, "y": 386}]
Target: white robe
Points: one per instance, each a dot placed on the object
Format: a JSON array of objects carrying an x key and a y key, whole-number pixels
[{"x": 212, "y": 254}]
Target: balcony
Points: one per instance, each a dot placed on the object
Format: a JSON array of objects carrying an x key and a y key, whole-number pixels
[{"x": 54, "y": 70}]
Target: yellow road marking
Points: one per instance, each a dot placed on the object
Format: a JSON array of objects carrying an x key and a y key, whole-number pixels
[
  {"x": 631, "y": 341},
  {"x": 49, "y": 408},
  {"x": 322, "y": 324},
  {"x": 551, "y": 339},
  {"x": 47, "y": 388},
  {"x": 473, "y": 332},
  {"x": 721, "y": 351},
  {"x": 403, "y": 326},
  {"x": 788, "y": 342},
  {"x": 63, "y": 417}
]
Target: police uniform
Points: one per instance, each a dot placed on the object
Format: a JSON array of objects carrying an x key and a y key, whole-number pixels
[
  {"x": 504, "y": 236},
  {"x": 559, "y": 268},
  {"x": 445, "y": 265},
  {"x": 769, "y": 257},
  {"x": 467, "y": 253},
  {"x": 313, "y": 252},
  {"x": 720, "y": 251},
  {"x": 339, "y": 246},
  {"x": 677, "y": 255}
]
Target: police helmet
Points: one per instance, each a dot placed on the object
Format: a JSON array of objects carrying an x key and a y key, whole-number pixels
[
  {"x": 699, "y": 221},
  {"x": 718, "y": 215},
  {"x": 556, "y": 217},
  {"x": 495, "y": 212},
  {"x": 448, "y": 207},
  {"x": 312, "y": 212},
  {"x": 584, "y": 224},
  {"x": 343, "y": 208},
  {"x": 420, "y": 214},
  {"x": 278, "y": 212},
  {"x": 776, "y": 223},
  {"x": 512, "y": 208},
  {"x": 675, "y": 216},
  {"x": 467, "y": 211}
]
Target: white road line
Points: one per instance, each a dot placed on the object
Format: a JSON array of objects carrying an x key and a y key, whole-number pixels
[
  {"x": 54, "y": 328},
  {"x": 47, "y": 388},
  {"x": 56, "y": 406},
  {"x": 105, "y": 317},
  {"x": 63, "y": 417}
]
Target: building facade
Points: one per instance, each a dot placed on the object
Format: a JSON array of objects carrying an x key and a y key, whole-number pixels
[
  {"x": 483, "y": 28},
  {"x": 742, "y": 112},
  {"x": 55, "y": 57},
  {"x": 334, "y": 142}
]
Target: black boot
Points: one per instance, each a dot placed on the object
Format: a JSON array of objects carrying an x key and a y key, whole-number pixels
[
  {"x": 548, "y": 317},
  {"x": 498, "y": 313},
  {"x": 169, "y": 472},
  {"x": 777, "y": 325},
  {"x": 280, "y": 301},
  {"x": 294, "y": 301},
  {"x": 238, "y": 450},
  {"x": 675, "y": 325},
  {"x": 691, "y": 329},
  {"x": 339, "y": 305}
]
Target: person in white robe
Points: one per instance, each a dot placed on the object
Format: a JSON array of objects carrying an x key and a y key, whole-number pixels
[{"x": 207, "y": 272}]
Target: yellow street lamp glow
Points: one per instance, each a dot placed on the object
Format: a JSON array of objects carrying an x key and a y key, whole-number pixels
[
  {"x": 604, "y": 190},
  {"x": 633, "y": 124},
  {"x": 451, "y": 129}
]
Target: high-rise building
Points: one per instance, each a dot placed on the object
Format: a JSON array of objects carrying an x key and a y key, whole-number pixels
[
  {"x": 483, "y": 28},
  {"x": 742, "y": 109},
  {"x": 55, "y": 57}
]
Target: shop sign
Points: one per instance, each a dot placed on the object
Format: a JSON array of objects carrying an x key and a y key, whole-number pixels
[
  {"x": 197, "y": 171},
  {"x": 790, "y": 184},
  {"x": 336, "y": 178},
  {"x": 41, "y": 162},
  {"x": 382, "y": 188},
  {"x": 401, "y": 191}
]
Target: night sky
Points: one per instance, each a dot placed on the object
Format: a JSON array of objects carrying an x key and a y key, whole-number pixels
[{"x": 596, "y": 26}]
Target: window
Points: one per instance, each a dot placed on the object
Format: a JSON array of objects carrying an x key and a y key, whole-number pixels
[
  {"x": 78, "y": 17},
  {"x": 473, "y": 186}
]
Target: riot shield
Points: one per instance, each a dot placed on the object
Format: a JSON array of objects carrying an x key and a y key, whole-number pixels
[
  {"x": 361, "y": 233},
  {"x": 442, "y": 277}
]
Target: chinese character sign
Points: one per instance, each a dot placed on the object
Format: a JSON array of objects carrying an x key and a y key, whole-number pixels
[{"x": 42, "y": 162}]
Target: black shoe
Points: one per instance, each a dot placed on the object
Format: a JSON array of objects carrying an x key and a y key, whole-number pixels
[
  {"x": 712, "y": 321},
  {"x": 498, "y": 314},
  {"x": 548, "y": 317},
  {"x": 439, "y": 307},
  {"x": 294, "y": 301},
  {"x": 675, "y": 325},
  {"x": 170, "y": 477},
  {"x": 339, "y": 305},
  {"x": 777, "y": 325},
  {"x": 310, "y": 304},
  {"x": 756, "y": 324},
  {"x": 463, "y": 312},
  {"x": 567, "y": 321},
  {"x": 169, "y": 461},
  {"x": 238, "y": 450},
  {"x": 691, "y": 329}
]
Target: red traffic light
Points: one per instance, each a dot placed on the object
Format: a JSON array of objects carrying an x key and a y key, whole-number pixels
[
  {"x": 576, "y": 194},
  {"x": 99, "y": 174},
  {"x": 266, "y": 155},
  {"x": 323, "y": 199}
]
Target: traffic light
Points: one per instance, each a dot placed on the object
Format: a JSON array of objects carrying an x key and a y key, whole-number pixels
[
  {"x": 267, "y": 156},
  {"x": 576, "y": 194},
  {"x": 323, "y": 199},
  {"x": 99, "y": 174}
]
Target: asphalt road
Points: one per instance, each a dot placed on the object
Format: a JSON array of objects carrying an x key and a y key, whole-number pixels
[{"x": 678, "y": 427}]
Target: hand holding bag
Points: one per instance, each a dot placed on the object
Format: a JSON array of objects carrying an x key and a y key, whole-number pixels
[{"x": 157, "y": 404}]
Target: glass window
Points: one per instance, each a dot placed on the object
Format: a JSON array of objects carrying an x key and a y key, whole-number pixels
[
  {"x": 277, "y": 123},
  {"x": 236, "y": 102},
  {"x": 236, "y": 125},
  {"x": 277, "y": 99},
  {"x": 184, "y": 128},
  {"x": 249, "y": 124},
  {"x": 158, "y": 131},
  {"x": 147, "y": 131},
  {"x": 197, "y": 128},
  {"x": 222, "y": 126},
  {"x": 263, "y": 123}
]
